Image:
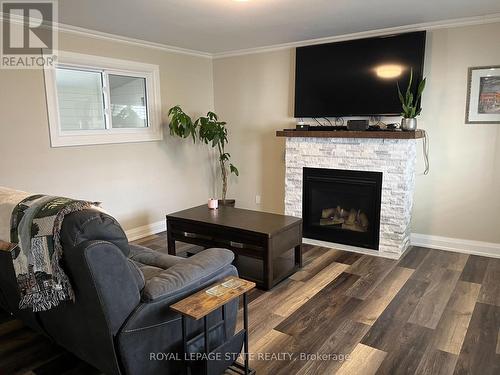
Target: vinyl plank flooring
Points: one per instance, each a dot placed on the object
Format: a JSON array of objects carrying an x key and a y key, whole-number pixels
[
  {"x": 413, "y": 257},
  {"x": 315, "y": 266},
  {"x": 438, "y": 261},
  {"x": 261, "y": 310},
  {"x": 341, "y": 343},
  {"x": 490, "y": 289},
  {"x": 29, "y": 356},
  {"x": 272, "y": 352},
  {"x": 474, "y": 269},
  {"x": 437, "y": 362},
  {"x": 452, "y": 327},
  {"x": 370, "y": 264},
  {"x": 464, "y": 297},
  {"x": 310, "y": 288},
  {"x": 388, "y": 326},
  {"x": 407, "y": 350},
  {"x": 61, "y": 364},
  {"x": 322, "y": 308},
  {"x": 346, "y": 257},
  {"x": 373, "y": 306},
  {"x": 372, "y": 271},
  {"x": 319, "y": 319},
  {"x": 363, "y": 360},
  {"x": 311, "y": 253},
  {"x": 432, "y": 304},
  {"x": 478, "y": 354},
  {"x": 10, "y": 326}
]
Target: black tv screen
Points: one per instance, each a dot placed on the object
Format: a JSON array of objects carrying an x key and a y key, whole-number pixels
[{"x": 357, "y": 77}]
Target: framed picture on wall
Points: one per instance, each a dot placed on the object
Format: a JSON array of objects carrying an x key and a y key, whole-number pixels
[{"x": 483, "y": 95}]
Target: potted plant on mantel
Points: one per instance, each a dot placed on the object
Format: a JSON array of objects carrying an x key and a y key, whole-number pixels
[
  {"x": 411, "y": 104},
  {"x": 212, "y": 132}
]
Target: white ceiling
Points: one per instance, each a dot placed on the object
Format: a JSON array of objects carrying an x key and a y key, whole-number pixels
[{"x": 224, "y": 25}]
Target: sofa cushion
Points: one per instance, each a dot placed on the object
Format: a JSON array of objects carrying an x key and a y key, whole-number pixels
[{"x": 89, "y": 225}]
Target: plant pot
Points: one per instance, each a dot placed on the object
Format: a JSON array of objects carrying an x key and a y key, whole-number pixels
[
  {"x": 409, "y": 124},
  {"x": 227, "y": 202}
]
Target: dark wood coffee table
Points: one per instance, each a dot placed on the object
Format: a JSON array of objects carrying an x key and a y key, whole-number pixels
[{"x": 268, "y": 247}]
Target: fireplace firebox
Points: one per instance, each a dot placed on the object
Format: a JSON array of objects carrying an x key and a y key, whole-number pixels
[{"x": 342, "y": 206}]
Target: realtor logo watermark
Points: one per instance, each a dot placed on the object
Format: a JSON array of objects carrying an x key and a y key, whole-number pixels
[{"x": 29, "y": 38}]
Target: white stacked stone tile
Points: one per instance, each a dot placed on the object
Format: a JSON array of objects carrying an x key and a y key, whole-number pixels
[{"x": 395, "y": 158}]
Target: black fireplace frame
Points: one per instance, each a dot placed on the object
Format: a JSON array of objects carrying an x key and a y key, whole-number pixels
[{"x": 369, "y": 179}]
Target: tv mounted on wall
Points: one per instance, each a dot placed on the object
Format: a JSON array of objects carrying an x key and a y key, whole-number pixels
[{"x": 357, "y": 77}]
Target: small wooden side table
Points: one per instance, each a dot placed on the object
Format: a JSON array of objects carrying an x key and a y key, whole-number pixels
[{"x": 206, "y": 301}]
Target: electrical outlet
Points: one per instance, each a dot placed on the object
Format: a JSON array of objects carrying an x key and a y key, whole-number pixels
[{"x": 257, "y": 199}]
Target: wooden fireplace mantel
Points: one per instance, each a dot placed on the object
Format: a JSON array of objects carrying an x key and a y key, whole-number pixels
[{"x": 398, "y": 134}]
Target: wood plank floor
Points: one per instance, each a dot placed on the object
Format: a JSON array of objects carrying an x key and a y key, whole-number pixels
[{"x": 431, "y": 312}]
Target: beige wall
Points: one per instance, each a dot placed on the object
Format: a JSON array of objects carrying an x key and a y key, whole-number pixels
[
  {"x": 137, "y": 182},
  {"x": 459, "y": 198},
  {"x": 140, "y": 182}
]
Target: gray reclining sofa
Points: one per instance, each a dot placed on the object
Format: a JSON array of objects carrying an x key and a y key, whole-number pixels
[{"x": 121, "y": 319}]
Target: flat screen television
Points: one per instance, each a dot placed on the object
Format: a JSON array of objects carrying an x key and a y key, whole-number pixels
[{"x": 357, "y": 77}]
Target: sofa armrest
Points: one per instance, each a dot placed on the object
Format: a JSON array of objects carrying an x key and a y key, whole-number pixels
[{"x": 186, "y": 275}]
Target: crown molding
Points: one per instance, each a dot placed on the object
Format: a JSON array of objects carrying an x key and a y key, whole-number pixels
[
  {"x": 80, "y": 31},
  {"x": 467, "y": 21}
]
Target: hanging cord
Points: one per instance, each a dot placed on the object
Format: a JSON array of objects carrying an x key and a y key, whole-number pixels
[
  {"x": 326, "y": 118},
  {"x": 425, "y": 149},
  {"x": 339, "y": 121},
  {"x": 320, "y": 124}
]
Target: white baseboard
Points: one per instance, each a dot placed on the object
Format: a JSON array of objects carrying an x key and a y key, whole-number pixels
[
  {"x": 459, "y": 245},
  {"x": 146, "y": 230}
]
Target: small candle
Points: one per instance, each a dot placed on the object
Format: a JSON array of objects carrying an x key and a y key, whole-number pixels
[{"x": 213, "y": 203}]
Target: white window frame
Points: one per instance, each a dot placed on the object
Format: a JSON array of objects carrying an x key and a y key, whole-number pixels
[{"x": 153, "y": 132}]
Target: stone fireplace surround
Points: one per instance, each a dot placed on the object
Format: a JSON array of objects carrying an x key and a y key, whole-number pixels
[{"x": 395, "y": 158}]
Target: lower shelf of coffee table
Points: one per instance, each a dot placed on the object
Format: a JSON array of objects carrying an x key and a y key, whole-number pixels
[{"x": 252, "y": 269}]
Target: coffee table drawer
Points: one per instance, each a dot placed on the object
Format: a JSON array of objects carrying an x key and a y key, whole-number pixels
[{"x": 225, "y": 237}]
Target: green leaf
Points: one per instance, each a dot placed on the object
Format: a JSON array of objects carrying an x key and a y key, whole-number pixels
[
  {"x": 408, "y": 89},
  {"x": 421, "y": 87},
  {"x": 234, "y": 169},
  {"x": 401, "y": 98},
  {"x": 181, "y": 124}
]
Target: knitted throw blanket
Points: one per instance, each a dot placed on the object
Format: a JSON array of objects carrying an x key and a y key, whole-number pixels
[{"x": 35, "y": 226}]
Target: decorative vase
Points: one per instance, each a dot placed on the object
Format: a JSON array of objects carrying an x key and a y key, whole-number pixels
[{"x": 409, "y": 124}]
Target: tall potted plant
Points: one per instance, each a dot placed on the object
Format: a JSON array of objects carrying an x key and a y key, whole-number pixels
[
  {"x": 212, "y": 132},
  {"x": 411, "y": 104}
]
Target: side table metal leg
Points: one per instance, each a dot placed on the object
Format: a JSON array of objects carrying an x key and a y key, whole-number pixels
[
  {"x": 205, "y": 324},
  {"x": 184, "y": 343},
  {"x": 205, "y": 333},
  {"x": 245, "y": 327}
]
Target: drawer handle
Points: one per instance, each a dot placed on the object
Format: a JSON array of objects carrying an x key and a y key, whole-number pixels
[
  {"x": 238, "y": 245},
  {"x": 192, "y": 235}
]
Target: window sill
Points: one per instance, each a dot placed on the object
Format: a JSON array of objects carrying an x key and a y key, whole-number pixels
[{"x": 98, "y": 139}]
